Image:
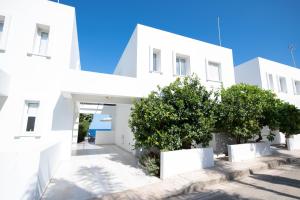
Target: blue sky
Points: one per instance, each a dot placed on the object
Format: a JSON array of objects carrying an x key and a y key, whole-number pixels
[{"x": 250, "y": 27}]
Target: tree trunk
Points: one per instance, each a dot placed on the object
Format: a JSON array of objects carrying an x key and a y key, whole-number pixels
[
  {"x": 286, "y": 137},
  {"x": 186, "y": 145},
  {"x": 238, "y": 140},
  {"x": 259, "y": 138}
]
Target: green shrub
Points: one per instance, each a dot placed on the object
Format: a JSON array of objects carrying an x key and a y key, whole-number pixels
[
  {"x": 174, "y": 117},
  {"x": 289, "y": 119},
  {"x": 84, "y": 124},
  {"x": 245, "y": 109},
  {"x": 151, "y": 163}
]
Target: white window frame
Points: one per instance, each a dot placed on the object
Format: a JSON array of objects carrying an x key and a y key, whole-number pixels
[
  {"x": 26, "y": 116},
  {"x": 5, "y": 18},
  {"x": 187, "y": 65},
  {"x": 2, "y": 23},
  {"x": 219, "y": 71},
  {"x": 151, "y": 61},
  {"x": 296, "y": 92},
  {"x": 269, "y": 83},
  {"x": 37, "y": 41},
  {"x": 280, "y": 85}
]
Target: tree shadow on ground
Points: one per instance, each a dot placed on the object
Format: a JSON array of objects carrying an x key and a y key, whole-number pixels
[
  {"x": 210, "y": 195},
  {"x": 61, "y": 189},
  {"x": 268, "y": 189},
  {"x": 279, "y": 180}
]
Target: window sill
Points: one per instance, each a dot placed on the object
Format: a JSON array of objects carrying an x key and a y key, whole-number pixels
[
  {"x": 36, "y": 136},
  {"x": 281, "y": 92},
  {"x": 156, "y": 72},
  {"x": 181, "y": 76},
  {"x": 214, "y": 81},
  {"x": 40, "y": 55}
]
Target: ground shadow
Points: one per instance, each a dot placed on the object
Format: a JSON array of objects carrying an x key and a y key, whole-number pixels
[
  {"x": 277, "y": 180},
  {"x": 113, "y": 152},
  {"x": 60, "y": 189},
  {"x": 268, "y": 189},
  {"x": 210, "y": 195}
]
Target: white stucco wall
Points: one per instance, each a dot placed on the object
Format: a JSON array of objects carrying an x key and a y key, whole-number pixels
[
  {"x": 291, "y": 74},
  {"x": 30, "y": 158},
  {"x": 33, "y": 77},
  {"x": 248, "y": 72},
  {"x": 170, "y": 44},
  {"x": 136, "y": 59},
  {"x": 27, "y": 166},
  {"x": 186, "y": 160},
  {"x": 128, "y": 61},
  {"x": 4, "y": 83},
  {"x": 123, "y": 135},
  {"x": 241, "y": 152}
]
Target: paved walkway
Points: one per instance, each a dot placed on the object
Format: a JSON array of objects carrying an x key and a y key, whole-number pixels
[
  {"x": 94, "y": 171},
  {"x": 108, "y": 172},
  {"x": 282, "y": 183},
  {"x": 198, "y": 180}
]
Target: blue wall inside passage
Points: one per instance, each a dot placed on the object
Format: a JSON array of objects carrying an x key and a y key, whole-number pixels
[{"x": 98, "y": 125}]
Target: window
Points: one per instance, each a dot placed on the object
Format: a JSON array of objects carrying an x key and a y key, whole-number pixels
[
  {"x": 41, "y": 40},
  {"x": 270, "y": 81},
  {"x": 1, "y": 26},
  {"x": 213, "y": 71},
  {"x": 181, "y": 66},
  {"x": 282, "y": 85},
  {"x": 297, "y": 87},
  {"x": 30, "y": 116},
  {"x": 156, "y": 60}
]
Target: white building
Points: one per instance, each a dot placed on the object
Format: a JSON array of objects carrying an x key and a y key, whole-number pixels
[
  {"x": 282, "y": 79},
  {"x": 41, "y": 86}
]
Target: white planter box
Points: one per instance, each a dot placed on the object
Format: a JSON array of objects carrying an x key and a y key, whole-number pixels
[
  {"x": 180, "y": 161},
  {"x": 105, "y": 137},
  {"x": 240, "y": 152},
  {"x": 293, "y": 143}
]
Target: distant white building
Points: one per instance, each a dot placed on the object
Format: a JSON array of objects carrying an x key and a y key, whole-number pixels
[{"x": 282, "y": 79}]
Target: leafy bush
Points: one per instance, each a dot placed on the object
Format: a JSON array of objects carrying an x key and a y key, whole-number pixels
[
  {"x": 245, "y": 109},
  {"x": 84, "y": 124},
  {"x": 289, "y": 119},
  {"x": 151, "y": 163},
  {"x": 174, "y": 117}
]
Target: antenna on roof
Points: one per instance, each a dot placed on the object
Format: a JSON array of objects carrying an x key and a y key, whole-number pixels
[
  {"x": 292, "y": 48},
  {"x": 219, "y": 31}
]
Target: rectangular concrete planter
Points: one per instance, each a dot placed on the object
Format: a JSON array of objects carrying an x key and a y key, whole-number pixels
[
  {"x": 180, "y": 161},
  {"x": 241, "y": 152},
  {"x": 293, "y": 143},
  {"x": 105, "y": 137}
]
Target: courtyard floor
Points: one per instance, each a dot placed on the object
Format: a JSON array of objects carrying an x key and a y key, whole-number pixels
[{"x": 95, "y": 170}]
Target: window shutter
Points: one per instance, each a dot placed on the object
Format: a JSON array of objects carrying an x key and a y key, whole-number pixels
[
  {"x": 278, "y": 83},
  {"x": 268, "y": 81},
  {"x": 174, "y": 62},
  {"x": 294, "y": 86},
  {"x": 150, "y": 59}
]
